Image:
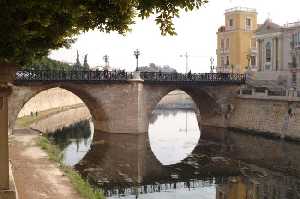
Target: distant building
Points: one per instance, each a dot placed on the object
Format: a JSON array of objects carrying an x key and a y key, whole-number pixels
[
  {"x": 236, "y": 46},
  {"x": 279, "y": 53}
]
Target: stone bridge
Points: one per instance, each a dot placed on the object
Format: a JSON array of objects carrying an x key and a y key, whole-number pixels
[
  {"x": 124, "y": 105},
  {"x": 119, "y": 102}
]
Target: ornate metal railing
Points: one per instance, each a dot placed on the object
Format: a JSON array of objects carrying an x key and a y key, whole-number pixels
[
  {"x": 148, "y": 77},
  {"x": 60, "y": 75},
  {"x": 193, "y": 77}
]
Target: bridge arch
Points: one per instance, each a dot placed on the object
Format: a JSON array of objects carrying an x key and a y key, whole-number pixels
[
  {"x": 206, "y": 104},
  {"x": 214, "y": 105},
  {"x": 21, "y": 95}
]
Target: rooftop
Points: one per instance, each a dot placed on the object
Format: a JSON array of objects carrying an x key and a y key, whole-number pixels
[
  {"x": 292, "y": 25},
  {"x": 243, "y": 9}
]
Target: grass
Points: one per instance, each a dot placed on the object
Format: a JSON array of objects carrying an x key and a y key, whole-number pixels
[{"x": 82, "y": 186}]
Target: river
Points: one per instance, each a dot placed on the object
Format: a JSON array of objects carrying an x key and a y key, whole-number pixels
[{"x": 171, "y": 161}]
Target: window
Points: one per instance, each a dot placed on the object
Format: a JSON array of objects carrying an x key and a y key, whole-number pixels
[
  {"x": 227, "y": 60},
  {"x": 296, "y": 40},
  {"x": 248, "y": 22},
  {"x": 294, "y": 78},
  {"x": 230, "y": 22},
  {"x": 222, "y": 61},
  {"x": 268, "y": 52},
  {"x": 227, "y": 43},
  {"x": 222, "y": 43},
  {"x": 253, "y": 61}
]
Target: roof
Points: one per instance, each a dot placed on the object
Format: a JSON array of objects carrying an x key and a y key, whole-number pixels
[
  {"x": 240, "y": 9},
  {"x": 268, "y": 27}
]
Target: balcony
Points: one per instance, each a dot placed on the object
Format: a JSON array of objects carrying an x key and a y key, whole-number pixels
[{"x": 253, "y": 50}]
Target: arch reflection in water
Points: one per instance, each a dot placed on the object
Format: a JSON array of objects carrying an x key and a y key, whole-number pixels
[
  {"x": 173, "y": 134},
  {"x": 74, "y": 141},
  {"x": 173, "y": 129},
  {"x": 124, "y": 166}
]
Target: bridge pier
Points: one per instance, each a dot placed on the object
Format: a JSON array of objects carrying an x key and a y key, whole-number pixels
[{"x": 125, "y": 110}]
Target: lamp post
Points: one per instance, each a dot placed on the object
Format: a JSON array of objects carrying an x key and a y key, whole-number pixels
[
  {"x": 137, "y": 53},
  {"x": 106, "y": 60},
  {"x": 186, "y": 61},
  {"x": 212, "y": 67}
]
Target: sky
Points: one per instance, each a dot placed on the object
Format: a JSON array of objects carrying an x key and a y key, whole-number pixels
[{"x": 196, "y": 36}]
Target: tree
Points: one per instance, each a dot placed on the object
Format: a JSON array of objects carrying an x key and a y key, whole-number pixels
[
  {"x": 156, "y": 68},
  {"x": 46, "y": 63},
  {"x": 32, "y": 28}
]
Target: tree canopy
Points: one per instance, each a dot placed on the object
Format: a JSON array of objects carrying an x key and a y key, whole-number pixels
[
  {"x": 45, "y": 63},
  {"x": 30, "y": 28}
]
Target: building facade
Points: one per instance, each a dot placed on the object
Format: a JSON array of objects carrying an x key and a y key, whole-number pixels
[
  {"x": 236, "y": 45},
  {"x": 279, "y": 53}
]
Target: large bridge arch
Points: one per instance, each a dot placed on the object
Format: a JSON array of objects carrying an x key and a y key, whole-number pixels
[
  {"x": 22, "y": 94},
  {"x": 214, "y": 104}
]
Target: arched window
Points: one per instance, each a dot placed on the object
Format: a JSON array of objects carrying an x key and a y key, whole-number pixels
[{"x": 268, "y": 52}]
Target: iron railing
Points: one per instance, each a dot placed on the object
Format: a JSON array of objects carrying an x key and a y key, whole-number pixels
[
  {"x": 193, "y": 77},
  {"x": 148, "y": 77},
  {"x": 60, "y": 75}
]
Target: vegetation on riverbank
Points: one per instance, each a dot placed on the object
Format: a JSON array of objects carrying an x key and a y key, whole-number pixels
[{"x": 82, "y": 186}]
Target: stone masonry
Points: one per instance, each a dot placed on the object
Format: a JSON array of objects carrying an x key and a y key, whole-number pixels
[
  {"x": 127, "y": 107},
  {"x": 273, "y": 116}
]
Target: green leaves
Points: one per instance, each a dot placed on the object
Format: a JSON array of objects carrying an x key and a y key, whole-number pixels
[{"x": 31, "y": 28}]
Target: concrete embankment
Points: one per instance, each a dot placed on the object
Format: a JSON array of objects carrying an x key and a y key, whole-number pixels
[
  {"x": 49, "y": 99},
  {"x": 176, "y": 100},
  {"x": 62, "y": 119}
]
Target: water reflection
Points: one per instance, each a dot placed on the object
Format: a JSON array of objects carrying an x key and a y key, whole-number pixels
[
  {"x": 124, "y": 165},
  {"x": 74, "y": 141},
  {"x": 173, "y": 134},
  {"x": 242, "y": 167}
]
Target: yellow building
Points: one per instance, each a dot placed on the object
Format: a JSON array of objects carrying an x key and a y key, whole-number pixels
[{"x": 236, "y": 48}]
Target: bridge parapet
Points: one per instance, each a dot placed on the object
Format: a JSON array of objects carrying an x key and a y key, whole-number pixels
[
  {"x": 162, "y": 77},
  {"x": 71, "y": 76},
  {"x": 23, "y": 76}
]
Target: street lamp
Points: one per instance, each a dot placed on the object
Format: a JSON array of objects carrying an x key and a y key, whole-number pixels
[
  {"x": 137, "y": 53},
  {"x": 106, "y": 60},
  {"x": 186, "y": 61},
  {"x": 212, "y": 67}
]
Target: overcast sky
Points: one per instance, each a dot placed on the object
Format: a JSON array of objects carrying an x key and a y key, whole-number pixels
[{"x": 196, "y": 36}]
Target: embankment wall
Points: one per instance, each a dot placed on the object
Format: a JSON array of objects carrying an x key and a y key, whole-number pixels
[
  {"x": 52, "y": 98},
  {"x": 269, "y": 116}
]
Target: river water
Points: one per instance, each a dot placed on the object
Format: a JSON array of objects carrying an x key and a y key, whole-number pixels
[{"x": 171, "y": 161}]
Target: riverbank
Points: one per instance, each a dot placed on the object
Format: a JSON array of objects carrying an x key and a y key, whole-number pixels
[
  {"x": 37, "y": 168},
  {"x": 26, "y": 121}
]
